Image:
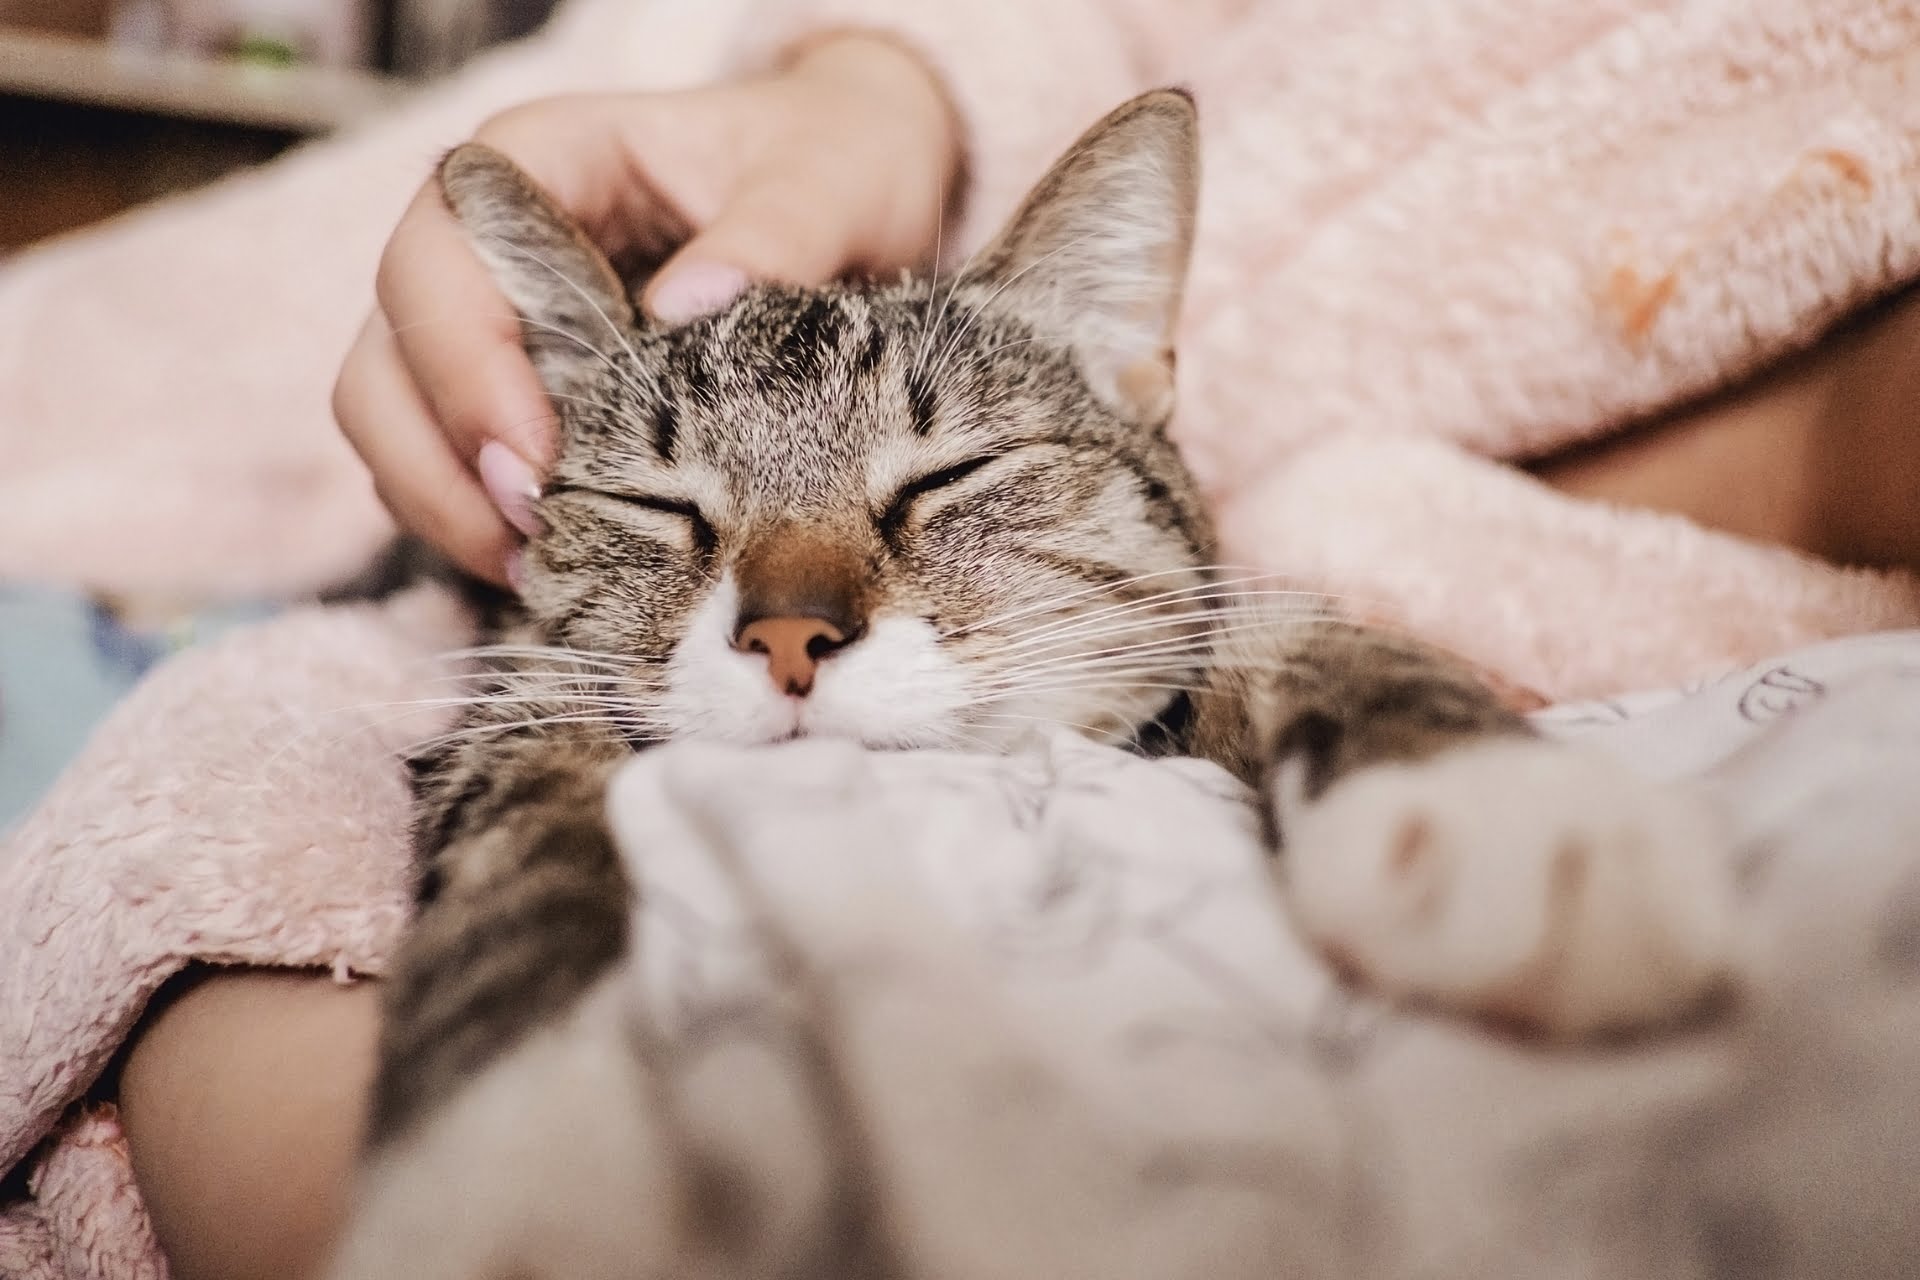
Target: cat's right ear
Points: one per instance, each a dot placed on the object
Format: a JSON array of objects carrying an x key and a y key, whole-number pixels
[
  {"x": 1096, "y": 255},
  {"x": 572, "y": 303}
]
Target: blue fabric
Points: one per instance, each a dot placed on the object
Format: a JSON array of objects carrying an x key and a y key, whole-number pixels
[{"x": 65, "y": 659}]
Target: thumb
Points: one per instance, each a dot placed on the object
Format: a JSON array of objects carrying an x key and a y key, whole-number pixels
[{"x": 776, "y": 228}]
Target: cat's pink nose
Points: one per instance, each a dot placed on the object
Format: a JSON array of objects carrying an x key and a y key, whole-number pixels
[{"x": 794, "y": 648}]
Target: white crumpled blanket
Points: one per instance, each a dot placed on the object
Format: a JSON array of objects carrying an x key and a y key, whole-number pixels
[{"x": 944, "y": 1016}]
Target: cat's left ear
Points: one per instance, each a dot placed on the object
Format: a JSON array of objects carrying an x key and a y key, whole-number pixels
[
  {"x": 1097, "y": 253},
  {"x": 572, "y": 302}
]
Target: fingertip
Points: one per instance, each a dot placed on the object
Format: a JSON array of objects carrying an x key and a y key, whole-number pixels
[
  {"x": 685, "y": 290},
  {"x": 512, "y": 485},
  {"x": 772, "y": 229}
]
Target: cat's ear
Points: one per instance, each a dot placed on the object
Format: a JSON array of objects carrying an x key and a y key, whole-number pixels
[
  {"x": 572, "y": 303},
  {"x": 1097, "y": 253}
]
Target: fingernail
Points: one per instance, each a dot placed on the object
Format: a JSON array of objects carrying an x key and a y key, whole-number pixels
[
  {"x": 696, "y": 289},
  {"x": 511, "y": 484},
  {"x": 517, "y": 571}
]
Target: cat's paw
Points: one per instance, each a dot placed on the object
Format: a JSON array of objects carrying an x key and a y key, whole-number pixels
[{"x": 1518, "y": 880}]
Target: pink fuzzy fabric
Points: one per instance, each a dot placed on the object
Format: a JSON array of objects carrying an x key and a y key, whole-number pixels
[
  {"x": 86, "y": 1221},
  {"x": 1437, "y": 234},
  {"x": 1433, "y": 236},
  {"x": 245, "y": 806}
]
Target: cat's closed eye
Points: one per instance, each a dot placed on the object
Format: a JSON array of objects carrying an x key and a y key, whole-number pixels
[
  {"x": 704, "y": 537},
  {"x": 902, "y": 505}
]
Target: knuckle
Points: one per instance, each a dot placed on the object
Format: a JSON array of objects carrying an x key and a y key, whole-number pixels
[{"x": 524, "y": 121}]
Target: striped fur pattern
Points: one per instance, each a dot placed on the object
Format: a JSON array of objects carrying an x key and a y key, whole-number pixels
[{"x": 942, "y": 513}]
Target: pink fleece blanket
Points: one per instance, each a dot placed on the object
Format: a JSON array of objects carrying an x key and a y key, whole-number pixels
[{"x": 1431, "y": 292}]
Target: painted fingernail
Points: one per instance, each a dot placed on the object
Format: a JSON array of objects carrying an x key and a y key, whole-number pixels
[
  {"x": 696, "y": 289},
  {"x": 511, "y": 484},
  {"x": 517, "y": 571}
]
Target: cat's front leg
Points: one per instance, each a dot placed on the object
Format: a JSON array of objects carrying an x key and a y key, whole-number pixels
[
  {"x": 523, "y": 904},
  {"x": 1438, "y": 850}
]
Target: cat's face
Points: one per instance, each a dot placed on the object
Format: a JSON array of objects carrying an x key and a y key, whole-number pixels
[{"x": 915, "y": 515}]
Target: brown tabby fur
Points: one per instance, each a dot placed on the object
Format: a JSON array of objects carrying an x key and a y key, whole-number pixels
[{"x": 986, "y": 455}]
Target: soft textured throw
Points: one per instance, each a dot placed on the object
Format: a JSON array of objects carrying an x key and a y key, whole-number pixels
[
  {"x": 1080, "y": 942},
  {"x": 1435, "y": 236}
]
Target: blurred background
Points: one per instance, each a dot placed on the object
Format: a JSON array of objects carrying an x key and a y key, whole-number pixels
[{"x": 108, "y": 103}]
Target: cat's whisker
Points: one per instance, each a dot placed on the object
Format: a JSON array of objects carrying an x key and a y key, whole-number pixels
[
  {"x": 980, "y": 308},
  {"x": 498, "y": 700},
  {"x": 932, "y": 331},
  {"x": 586, "y": 402},
  {"x": 1120, "y": 680},
  {"x": 1202, "y": 643},
  {"x": 1124, "y": 676},
  {"x": 1058, "y": 602},
  {"x": 1146, "y": 660},
  {"x": 1245, "y": 584},
  {"x": 403, "y": 713},
  {"x": 1116, "y": 674},
  {"x": 1048, "y": 722},
  {"x": 1204, "y": 629},
  {"x": 406, "y": 705},
  {"x": 1209, "y": 580},
  {"x": 557, "y": 653},
  {"x": 1089, "y": 687},
  {"x": 621, "y": 374},
  {"x": 933, "y": 284},
  {"x": 597, "y": 679},
  {"x": 619, "y": 335},
  {"x": 613, "y": 365},
  {"x": 1062, "y": 618},
  {"x": 470, "y": 732},
  {"x": 1175, "y": 667},
  {"x": 411, "y": 708},
  {"x": 1187, "y": 626},
  {"x": 407, "y": 710},
  {"x": 504, "y": 675},
  {"x": 1158, "y": 611},
  {"x": 573, "y": 692},
  {"x": 1006, "y": 346},
  {"x": 1159, "y": 617},
  {"x": 1142, "y": 653},
  {"x": 1149, "y": 647}
]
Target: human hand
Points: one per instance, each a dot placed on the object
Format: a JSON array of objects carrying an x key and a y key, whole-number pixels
[{"x": 840, "y": 162}]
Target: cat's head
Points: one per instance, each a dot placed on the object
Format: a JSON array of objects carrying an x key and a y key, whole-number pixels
[{"x": 914, "y": 514}]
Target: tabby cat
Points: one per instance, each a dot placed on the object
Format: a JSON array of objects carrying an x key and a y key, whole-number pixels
[{"x": 941, "y": 514}]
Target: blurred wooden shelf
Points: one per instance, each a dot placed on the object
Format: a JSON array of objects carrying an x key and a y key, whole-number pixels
[{"x": 301, "y": 100}]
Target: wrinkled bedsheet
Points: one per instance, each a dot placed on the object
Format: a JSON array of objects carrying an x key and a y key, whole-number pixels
[
  {"x": 939, "y": 1015},
  {"x": 1044, "y": 1017}
]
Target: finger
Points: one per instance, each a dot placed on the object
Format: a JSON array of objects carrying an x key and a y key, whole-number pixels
[
  {"x": 415, "y": 470},
  {"x": 783, "y": 225},
  {"x": 577, "y": 148},
  {"x": 459, "y": 339}
]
